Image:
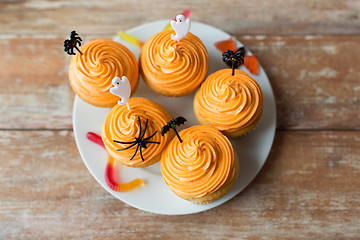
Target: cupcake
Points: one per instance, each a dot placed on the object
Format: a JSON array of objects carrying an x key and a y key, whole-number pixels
[
  {"x": 173, "y": 68},
  {"x": 203, "y": 167},
  {"x": 231, "y": 104},
  {"x": 90, "y": 74},
  {"x": 123, "y": 129}
]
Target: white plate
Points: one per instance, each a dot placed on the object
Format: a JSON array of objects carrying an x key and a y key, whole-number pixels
[{"x": 156, "y": 196}]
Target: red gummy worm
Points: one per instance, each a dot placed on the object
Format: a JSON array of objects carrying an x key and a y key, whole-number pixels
[
  {"x": 95, "y": 139},
  {"x": 110, "y": 181},
  {"x": 110, "y": 169},
  {"x": 186, "y": 13}
]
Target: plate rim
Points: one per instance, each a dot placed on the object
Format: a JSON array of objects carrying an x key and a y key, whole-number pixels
[{"x": 113, "y": 193}]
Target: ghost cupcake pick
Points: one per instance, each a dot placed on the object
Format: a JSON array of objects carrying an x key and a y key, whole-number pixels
[
  {"x": 121, "y": 89},
  {"x": 181, "y": 27},
  {"x": 187, "y": 13}
]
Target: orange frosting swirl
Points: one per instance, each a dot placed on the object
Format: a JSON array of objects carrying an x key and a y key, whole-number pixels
[
  {"x": 229, "y": 102},
  {"x": 90, "y": 74},
  {"x": 173, "y": 68},
  {"x": 203, "y": 163},
  {"x": 122, "y": 125}
]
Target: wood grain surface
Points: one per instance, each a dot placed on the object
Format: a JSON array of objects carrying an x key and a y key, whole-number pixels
[
  {"x": 315, "y": 80},
  {"x": 309, "y": 187},
  {"x": 245, "y": 17}
]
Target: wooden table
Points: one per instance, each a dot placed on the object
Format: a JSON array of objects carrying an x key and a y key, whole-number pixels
[{"x": 309, "y": 187}]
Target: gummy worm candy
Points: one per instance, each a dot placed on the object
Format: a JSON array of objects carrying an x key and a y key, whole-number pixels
[
  {"x": 95, "y": 139},
  {"x": 130, "y": 39},
  {"x": 110, "y": 181},
  {"x": 252, "y": 64},
  {"x": 225, "y": 45},
  {"x": 110, "y": 170}
]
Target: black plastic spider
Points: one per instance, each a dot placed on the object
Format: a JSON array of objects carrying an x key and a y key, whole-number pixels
[
  {"x": 70, "y": 44},
  {"x": 234, "y": 60},
  {"x": 139, "y": 141}
]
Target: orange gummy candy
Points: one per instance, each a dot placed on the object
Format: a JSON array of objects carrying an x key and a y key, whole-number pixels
[
  {"x": 222, "y": 46},
  {"x": 252, "y": 64}
]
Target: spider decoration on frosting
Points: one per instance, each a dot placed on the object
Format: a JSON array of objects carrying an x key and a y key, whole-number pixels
[
  {"x": 70, "y": 44},
  {"x": 234, "y": 60},
  {"x": 139, "y": 141},
  {"x": 172, "y": 125}
]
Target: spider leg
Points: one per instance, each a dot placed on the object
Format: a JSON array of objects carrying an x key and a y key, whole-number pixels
[
  {"x": 137, "y": 147},
  {"x": 150, "y": 136},
  {"x": 127, "y": 147},
  {"x": 146, "y": 124},
  {"x": 139, "y": 127},
  {"x": 78, "y": 50},
  {"x": 142, "y": 158},
  {"x": 124, "y": 142}
]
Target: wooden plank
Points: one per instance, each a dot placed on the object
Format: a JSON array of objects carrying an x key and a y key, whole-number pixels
[
  {"x": 246, "y": 17},
  {"x": 308, "y": 189},
  {"x": 35, "y": 90},
  {"x": 315, "y": 80}
]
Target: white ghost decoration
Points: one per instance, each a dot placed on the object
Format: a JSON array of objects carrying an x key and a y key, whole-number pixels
[
  {"x": 180, "y": 26},
  {"x": 121, "y": 89}
]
